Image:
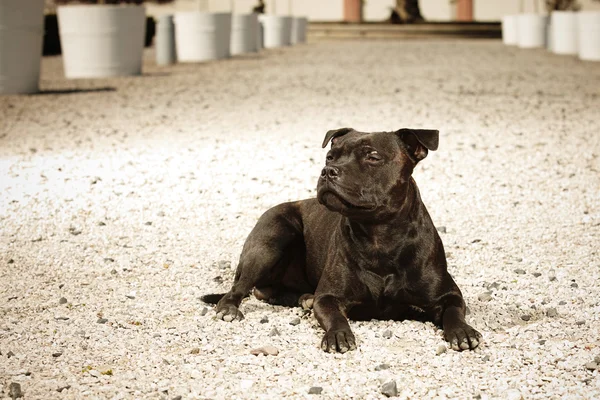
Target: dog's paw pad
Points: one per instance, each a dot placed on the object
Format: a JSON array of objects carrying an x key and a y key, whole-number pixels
[
  {"x": 306, "y": 301},
  {"x": 463, "y": 338},
  {"x": 230, "y": 313},
  {"x": 307, "y": 304},
  {"x": 338, "y": 341}
]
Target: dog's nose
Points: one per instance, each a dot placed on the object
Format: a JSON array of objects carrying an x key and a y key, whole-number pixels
[{"x": 330, "y": 172}]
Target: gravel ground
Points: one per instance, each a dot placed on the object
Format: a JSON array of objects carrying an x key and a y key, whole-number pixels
[{"x": 124, "y": 200}]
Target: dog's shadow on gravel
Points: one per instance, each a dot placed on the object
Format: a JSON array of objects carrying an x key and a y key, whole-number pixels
[{"x": 74, "y": 91}]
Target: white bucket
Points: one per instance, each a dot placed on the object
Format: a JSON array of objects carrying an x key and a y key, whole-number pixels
[
  {"x": 164, "y": 41},
  {"x": 564, "y": 32},
  {"x": 277, "y": 30},
  {"x": 260, "y": 34},
  {"x": 102, "y": 40},
  {"x": 549, "y": 37},
  {"x": 531, "y": 30},
  {"x": 510, "y": 34},
  {"x": 202, "y": 36},
  {"x": 21, "y": 31},
  {"x": 244, "y": 33},
  {"x": 588, "y": 28},
  {"x": 299, "y": 25}
]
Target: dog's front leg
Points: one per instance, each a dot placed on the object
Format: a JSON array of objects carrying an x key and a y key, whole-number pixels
[
  {"x": 457, "y": 332},
  {"x": 338, "y": 335}
]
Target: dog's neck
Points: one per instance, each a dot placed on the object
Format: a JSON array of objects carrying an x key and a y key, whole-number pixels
[{"x": 388, "y": 226}]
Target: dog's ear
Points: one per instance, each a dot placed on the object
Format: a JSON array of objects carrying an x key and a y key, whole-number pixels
[
  {"x": 331, "y": 135},
  {"x": 419, "y": 141}
]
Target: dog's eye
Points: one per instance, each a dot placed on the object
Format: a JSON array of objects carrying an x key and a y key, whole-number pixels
[
  {"x": 374, "y": 156},
  {"x": 329, "y": 157}
]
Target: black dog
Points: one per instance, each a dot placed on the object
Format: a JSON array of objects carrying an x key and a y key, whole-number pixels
[{"x": 364, "y": 248}]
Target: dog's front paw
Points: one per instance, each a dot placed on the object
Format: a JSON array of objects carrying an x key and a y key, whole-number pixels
[
  {"x": 463, "y": 337},
  {"x": 338, "y": 341},
  {"x": 228, "y": 313}
]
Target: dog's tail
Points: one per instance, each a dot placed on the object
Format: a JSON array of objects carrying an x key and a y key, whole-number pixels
[{"x": 212, "y": 298}]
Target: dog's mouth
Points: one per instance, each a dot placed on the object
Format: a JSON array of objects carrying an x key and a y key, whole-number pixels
[{"x": 336, "y": 202}]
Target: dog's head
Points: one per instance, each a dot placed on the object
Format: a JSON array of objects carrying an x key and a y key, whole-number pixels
[{"x": 366, "y": 174}]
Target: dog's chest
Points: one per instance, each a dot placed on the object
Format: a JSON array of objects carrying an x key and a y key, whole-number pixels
[
  {"x": 397, "y": 287},
  {"x": 387, "y": 296}
]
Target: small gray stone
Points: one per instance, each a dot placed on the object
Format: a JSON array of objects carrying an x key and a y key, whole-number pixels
[
  {"x": 562, "y": 303},
  {"x": 156, "y": 335},
  {"x": 552, "y": 275},
  {"x": 485, "y": 296},
  {"x": 203, "y": 311},
  {"x": 389, "y": 389},
  {"x": 526, "y": 317},
  {"x": 520, "y": 271},
  {"x": 441, "y": 350},
  {"x": 537, "y": 274},
  {"x": 57, "y": 354},
  {"x": 11, "y": 261},
  {"x": 486, "y": 358},
  {"x": 94, "y": 373},
  {"x": 574, "y": 285},
  {"x": 315, "y": 390},
  {"x": 102, "y": 320},
  {"x": 161, "y": 213},
  {"x": 542, "y": 341},
  {"x": 580, "y": 322},
  {"x": 61, "y": 318},
  {"x": 10, "y": 354},
  {"x": 552, "y": 313},
  {"x": 382, "y": 367},
  {"x": 387, "y": 334},
  {"x": 195, "y": 350},
  {"x": 274, "y": 332},
  {"x": 14, "y": 390},
  {"x": 295, "y": 321},
  {"x": 60, "y": 389},
  {"x": 442, "y": 229},
  {"x": 101, "y": 223},
  {"x": 148, "y": 223},
  {"x": 62, "y": 300},
  {"x": 177, "y": 398},
  {"x": 592, "y": 366},
  {"x": 264, "y": 320},
  {"x": 224, "y": 264},
  {"x": 597, "y": 359}
]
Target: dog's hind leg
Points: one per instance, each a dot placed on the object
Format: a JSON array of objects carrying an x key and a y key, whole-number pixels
[{"x": 265, "y": 257}]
